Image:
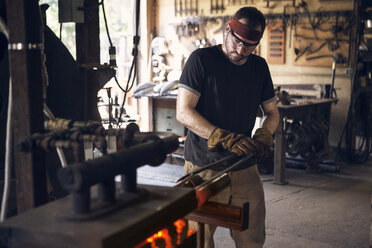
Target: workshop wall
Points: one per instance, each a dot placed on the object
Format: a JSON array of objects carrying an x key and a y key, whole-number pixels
[{"x": 200, "y": 22}]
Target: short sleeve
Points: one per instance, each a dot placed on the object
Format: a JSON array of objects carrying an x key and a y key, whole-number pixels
[
  {"x": 268, "y": 94},
  {"x": 192, "y": 76}
]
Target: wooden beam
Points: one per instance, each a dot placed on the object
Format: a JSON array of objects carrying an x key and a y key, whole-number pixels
[
  {"x": 88, "y": 54},
  {"x": 24, "y": 24},
  {"x": 87, "y": 35}
]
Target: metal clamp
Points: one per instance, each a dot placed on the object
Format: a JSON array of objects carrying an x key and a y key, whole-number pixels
[{"x": 29, "y": 46}]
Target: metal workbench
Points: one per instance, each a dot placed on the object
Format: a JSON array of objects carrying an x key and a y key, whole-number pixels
[{"x": 310, "y": 108}]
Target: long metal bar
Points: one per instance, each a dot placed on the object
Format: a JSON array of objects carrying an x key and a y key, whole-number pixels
[
  {"x": 25, "y": 46},
  {"x": 186, "y": 177},
  {"x": 228, "y": 169},
  {"x": 215, "y": 184},
  {"x": 214, "y": 213},
  {"x": 81, "y": 176}
]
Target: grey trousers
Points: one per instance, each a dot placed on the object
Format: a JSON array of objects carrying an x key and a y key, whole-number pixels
[{"x": 246, "y": 186}]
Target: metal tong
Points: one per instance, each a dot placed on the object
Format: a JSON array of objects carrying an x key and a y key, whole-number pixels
[{"x": 184, "y": 179}]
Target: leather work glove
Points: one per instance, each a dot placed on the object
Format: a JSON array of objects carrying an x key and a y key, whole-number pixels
[
  {"x": 258, "y": 146},
  {"x": 223, "y": 139},
  {"x": 246, "y": 146},
  {"x": 264, "y": 141}
]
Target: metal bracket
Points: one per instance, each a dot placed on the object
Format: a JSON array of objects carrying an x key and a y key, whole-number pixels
[{"x": 29, "y": 46}]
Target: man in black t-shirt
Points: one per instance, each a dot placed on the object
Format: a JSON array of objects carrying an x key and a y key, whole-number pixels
[{"x": 220, "y": 91}]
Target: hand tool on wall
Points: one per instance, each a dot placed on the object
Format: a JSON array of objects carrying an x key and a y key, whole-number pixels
[
  {"x": 304, "y": 5},
  {"x": 181, "y": 8},
  {"x": 335, "y": 31},
  {"x": 222, "y": 6},
  {"x": 191, "y": 10},
  {"x": 319, "y": 39},
  {"x": 332, "y": 47},
  {"x": 175, "y": 8},
  {"x": 217, "y": 6},
  {"x": 318, "y": 48},
  {"x": 300, "y": 53},
  {"x": 291, "y": 23},
  {"x": 224, "y": 20},
  {"x": 337, "y": 59},
  {"x": 319, "y": 57},
  {"x": 186, "y": 7}
]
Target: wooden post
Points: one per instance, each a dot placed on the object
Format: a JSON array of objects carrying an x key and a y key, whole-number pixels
[
  {"x": 88, "y": 54},
  {"x": 200, "y": 235},
  {"x": 279, "y": 153},
  {"x": 370, "y": 236},
  {"x": 353, "y": 54},
  {"x": 24, "y": 23}
]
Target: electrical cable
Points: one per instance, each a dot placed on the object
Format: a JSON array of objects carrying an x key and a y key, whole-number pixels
[
  {"x": 133, "y": 68},
  {"x": 60, "y": 31},
  {"x": 105, "y": 21},
  {"x": 109, "y": 39},
  {"x": 117, "y": 83},
  {"x": 4, "y": 28},
  {"x": 8, "y": 161},
  {"x": 8, "y": 140}
]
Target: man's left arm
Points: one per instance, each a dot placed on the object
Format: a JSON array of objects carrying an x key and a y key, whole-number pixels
[{"x": 271, "y": 116}]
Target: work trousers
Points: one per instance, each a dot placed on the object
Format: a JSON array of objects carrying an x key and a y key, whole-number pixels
[{"x": 246, "y": 186}]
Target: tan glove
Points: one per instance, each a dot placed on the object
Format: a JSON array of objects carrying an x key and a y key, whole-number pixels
[
  {"x": 246, "y": 146},
  {"x": 223, "y": 139},
  {"x": 240, "y": 144},
  {"x": 264, "y": 141},
  {"x": 258, "y": 146}
]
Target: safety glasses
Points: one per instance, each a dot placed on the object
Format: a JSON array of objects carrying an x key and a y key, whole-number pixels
[{"x": 245, "y": 44}]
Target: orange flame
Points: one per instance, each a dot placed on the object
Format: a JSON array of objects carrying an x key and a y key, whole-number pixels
[{"x": 163, "y": 237}]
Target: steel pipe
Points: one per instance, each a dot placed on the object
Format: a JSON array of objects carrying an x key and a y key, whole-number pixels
[{"x": 84, "y": 175}]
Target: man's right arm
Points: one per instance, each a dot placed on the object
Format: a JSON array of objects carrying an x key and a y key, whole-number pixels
[{"x": 189, "y": 117}]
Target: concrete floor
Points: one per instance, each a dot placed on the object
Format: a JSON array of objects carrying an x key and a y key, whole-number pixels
[{"x": 322, "y": 210}]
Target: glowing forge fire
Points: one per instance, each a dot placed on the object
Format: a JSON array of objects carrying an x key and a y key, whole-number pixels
[{"x": 169, "y": 237}]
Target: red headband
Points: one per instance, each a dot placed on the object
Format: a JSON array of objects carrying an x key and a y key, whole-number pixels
[{"x": 244, "y": 31}]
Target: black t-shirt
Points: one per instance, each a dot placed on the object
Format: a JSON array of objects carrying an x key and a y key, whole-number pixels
[{"x": 230, "y": 96}]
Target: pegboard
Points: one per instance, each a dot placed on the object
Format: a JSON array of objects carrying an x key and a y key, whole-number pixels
[
  {"x": 316, "y": 47},
  {"x": 276, "y": 43}
]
